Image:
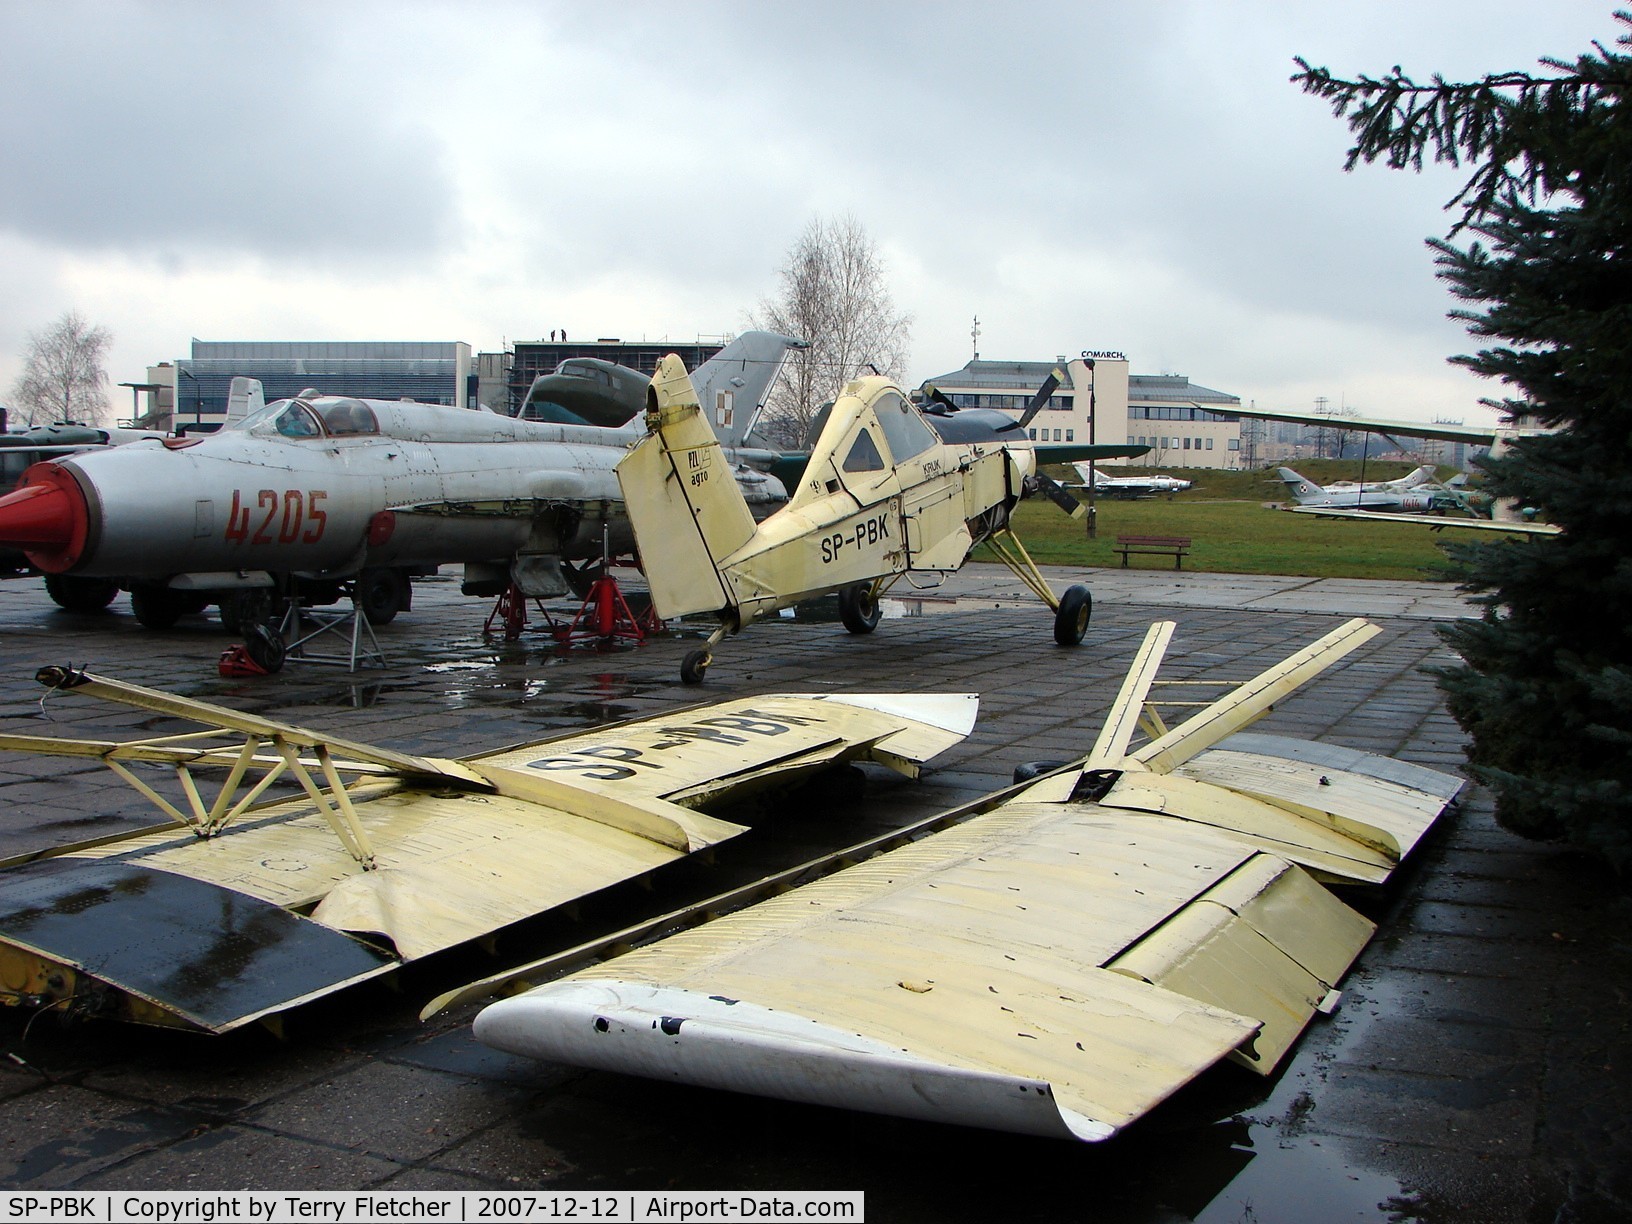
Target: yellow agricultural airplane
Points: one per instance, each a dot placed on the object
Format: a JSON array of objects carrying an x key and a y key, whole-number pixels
[
  {"x": 888, "y": 492},
  {"x": 242, "y": 907},
  {"x": 1054, "y": 964}
]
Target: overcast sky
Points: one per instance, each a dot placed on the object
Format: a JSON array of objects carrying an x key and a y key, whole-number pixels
[{"x": 1079, "y": 175}]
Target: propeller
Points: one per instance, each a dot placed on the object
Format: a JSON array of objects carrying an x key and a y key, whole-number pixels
[
  {"x": 1054, "y": 379},
  {"x": 1059, "y": 495}
]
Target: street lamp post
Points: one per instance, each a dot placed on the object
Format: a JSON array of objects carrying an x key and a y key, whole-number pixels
[{"x": 1093, "y": 510}]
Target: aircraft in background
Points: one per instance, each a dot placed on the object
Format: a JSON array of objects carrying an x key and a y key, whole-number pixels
[
  {"x": 1485, "y": 514},
  {"x": 1406, "y": 494},
  {"x": 1056, "y": 964},
  {"x": 888, "y": 492},
  {"x": 355, "y": 495},
  {"x": 1127, "y": 486}
]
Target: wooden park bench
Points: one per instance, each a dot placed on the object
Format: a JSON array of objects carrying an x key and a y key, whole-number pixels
[{"x": 1165, "y": 546}]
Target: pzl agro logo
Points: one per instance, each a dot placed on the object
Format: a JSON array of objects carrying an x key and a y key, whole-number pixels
[
  {"x": 866, "y": 531},
  {"x": 613, "y": 761}
]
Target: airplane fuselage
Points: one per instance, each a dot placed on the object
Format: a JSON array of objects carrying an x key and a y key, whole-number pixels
[{"x": 321, "y": 501}]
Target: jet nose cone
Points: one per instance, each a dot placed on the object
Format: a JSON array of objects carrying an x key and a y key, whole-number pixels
[
  {"x": 38, "y": 516},
  {"x": 46, "y": 518}
]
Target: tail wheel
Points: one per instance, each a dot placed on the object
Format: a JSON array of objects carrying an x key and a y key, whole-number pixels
[
  {"x": 859, "y": 608},
  {"x": 80, "y": 594},
  {"x": 695, "y": 665},
  {"x": 1071, "y": 620}
]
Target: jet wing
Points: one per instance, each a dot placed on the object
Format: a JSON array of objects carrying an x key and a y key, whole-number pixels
[
  {"x": 1074, "y": 452},
  {"x": 1443, "y": 431},
  {"x": 1057, "y": 965},
  {"x": 1434, "y": 521},
  {"x": 408, "y": 857}
]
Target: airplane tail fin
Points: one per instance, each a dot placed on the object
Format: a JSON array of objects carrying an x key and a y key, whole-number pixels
[
  {"x": 244, "y": 398},
  {"x": 1304, "y": 492},
  {"x": 682, "y": 499},
  {"x": 733, "y": 385},
  {"x": 1418, "y": 476}
]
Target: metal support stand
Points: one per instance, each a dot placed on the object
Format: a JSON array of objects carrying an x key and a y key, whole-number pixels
[
  {"x": 606, "y": 616},
  {"x": 352, "y": 628},
  {"x": 510, "y": 610}
]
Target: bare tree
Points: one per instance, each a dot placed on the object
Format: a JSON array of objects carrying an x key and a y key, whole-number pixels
[
  {"x": 63, "y": 377},
  {"x": 832, "y": 296}
]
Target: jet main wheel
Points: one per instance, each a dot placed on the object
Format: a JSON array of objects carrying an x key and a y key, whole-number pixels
[
  {"x": 381, "y": 594},
  {"x": 858, "y": 609},
  {"x": 157, "y": 607},
  {"x": 80, "y": 594},
  {"x": 1071, "y": 621},
  {"x": 695, "y": 665}
]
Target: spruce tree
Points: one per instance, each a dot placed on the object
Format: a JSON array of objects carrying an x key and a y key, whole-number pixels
[{"x": 1542, "y": 256}]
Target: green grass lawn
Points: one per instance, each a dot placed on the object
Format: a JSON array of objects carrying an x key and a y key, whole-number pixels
[{"x": 1232, "y": 532}]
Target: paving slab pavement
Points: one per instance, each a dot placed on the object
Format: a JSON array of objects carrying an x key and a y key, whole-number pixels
[{"x": 1477, "y": 1070}]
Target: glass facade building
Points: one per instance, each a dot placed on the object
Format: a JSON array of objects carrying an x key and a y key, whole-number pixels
[{"x": 430, "y": 372}]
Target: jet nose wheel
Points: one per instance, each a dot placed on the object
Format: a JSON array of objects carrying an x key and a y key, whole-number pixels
[
  {"x": 695, "y": 664},
  {"x": 1071, "y": 619}
]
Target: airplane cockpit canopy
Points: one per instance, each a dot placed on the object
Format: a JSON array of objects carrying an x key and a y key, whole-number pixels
[
  {"x": 334, "y": 417},
  {"x": 904, "y": 429}
]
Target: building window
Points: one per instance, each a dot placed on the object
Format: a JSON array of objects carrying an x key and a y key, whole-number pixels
[
  {"x": 1209, "y": 444},
  {"x": 1187, "y": 444},
  {"x": 1033, "y": 435},
  {"x": 1070, "y": 435},
  {"x": 1235, "y": 444}
]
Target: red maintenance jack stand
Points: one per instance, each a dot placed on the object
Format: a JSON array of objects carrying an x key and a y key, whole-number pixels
[
  {"x": 606, "y": 616},
  {"x": 511, "y": 611}
]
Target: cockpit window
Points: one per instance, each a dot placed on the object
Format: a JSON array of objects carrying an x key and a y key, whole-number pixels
[
  {"x": 347, "y": 417},
  {"x": 297, "y": 420},
  {"x": 864, "y": 456},
  {"x": 904, "y": 430}
]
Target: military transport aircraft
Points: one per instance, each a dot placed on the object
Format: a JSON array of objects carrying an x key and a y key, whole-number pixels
[
  {"x": 241, "y": 906},
  {"x": 888, "y": 492},
  {"x": 1055, "y": 963},
  {"x": 363, "y": 492},
  {"x": 1127, "y": 486}
]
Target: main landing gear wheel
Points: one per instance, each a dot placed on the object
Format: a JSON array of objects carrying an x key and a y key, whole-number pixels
[
  {"x": 80, "y": 594},
  {"x": 858, "y": 608},
  {"x": 157, "y": 607},
  {"x": 1071, "y": 620},
  {"x": 695, "y": 664},
  {"x": 381, "y": 594}
]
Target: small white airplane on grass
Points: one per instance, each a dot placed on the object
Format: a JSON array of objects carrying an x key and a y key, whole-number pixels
[{"x": 1127, "y": 486}]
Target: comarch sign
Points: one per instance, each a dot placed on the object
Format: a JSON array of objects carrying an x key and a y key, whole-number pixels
[{"x": 1103, "y": 355}]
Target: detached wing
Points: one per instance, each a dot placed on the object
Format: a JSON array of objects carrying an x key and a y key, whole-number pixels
[{"x": 218, "y": 924}]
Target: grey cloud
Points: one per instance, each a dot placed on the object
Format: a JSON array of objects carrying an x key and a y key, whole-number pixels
[{"x": 187, "y": 127}]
